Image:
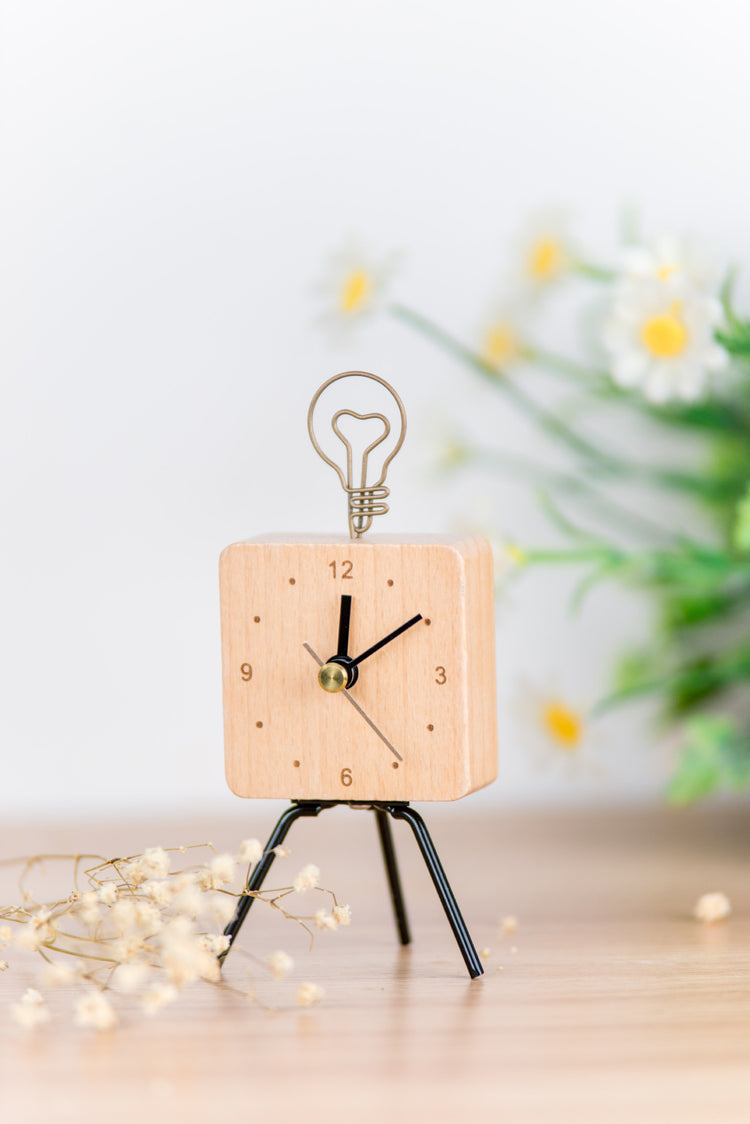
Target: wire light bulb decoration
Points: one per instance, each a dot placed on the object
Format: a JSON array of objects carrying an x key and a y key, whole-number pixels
[{"x": 363, "y": 481}]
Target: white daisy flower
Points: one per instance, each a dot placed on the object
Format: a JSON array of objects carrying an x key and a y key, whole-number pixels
[
  {"x": 669, "y": 259},
  {"x": 501, "y": 342},
  {"x": 660, "y": 338},
  {"x": 354, "y": 285},
  {"x": 544, "y": 252},
  {"x": 551, "y": 725}
]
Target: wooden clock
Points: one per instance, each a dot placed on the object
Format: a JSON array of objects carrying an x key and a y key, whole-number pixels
[{"x": 360, "y": 670}]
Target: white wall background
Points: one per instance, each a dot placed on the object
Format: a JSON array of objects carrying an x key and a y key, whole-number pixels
[{"x": 175, "y": 176}]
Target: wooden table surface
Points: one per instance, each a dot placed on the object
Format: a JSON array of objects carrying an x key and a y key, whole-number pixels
[{"x": 612, "y": 1003}]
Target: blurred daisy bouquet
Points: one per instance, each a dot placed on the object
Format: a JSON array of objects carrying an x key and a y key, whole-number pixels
[{"x": 661, "y": 349}]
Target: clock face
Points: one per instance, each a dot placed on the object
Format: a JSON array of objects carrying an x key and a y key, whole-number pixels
[{"x": 358, "y": 670}]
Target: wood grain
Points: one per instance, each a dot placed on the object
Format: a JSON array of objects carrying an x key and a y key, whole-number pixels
[
  {"x": 614, "y": 1007},
  {"x": 429, "y": 695}
]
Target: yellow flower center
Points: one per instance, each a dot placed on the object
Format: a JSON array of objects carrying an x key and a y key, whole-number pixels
[
  {"x": 665, "y": 272},
  {"x": 501, "y": 345},
  {"x": 546, "y": 259},
  {"x": 355, "y": 291},
  {"x": 665, "y": 335},
  {"x": 515, "y": 553},
  {"x": 563, "y": 725}
]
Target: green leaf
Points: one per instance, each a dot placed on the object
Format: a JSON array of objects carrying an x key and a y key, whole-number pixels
[
  {"x": 701, "y": 766},
  {"x": 640, "y": 665},
  {"x": 736, "y": 756},
  {"x": 741, "y": 530}
]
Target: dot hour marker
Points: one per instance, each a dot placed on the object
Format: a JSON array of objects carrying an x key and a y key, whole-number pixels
[
  {"x": 394, "y": 765},
  {"x": 259, "y": 725},
  {"x": 390, "y": 581},
  {"x": 427, "y": 620},
  {"x": 296, "y": 764},
  {"x": 430, "y": 727},
  {"x": 257, "y": 620},
  {"x": 292, "y": 581}
]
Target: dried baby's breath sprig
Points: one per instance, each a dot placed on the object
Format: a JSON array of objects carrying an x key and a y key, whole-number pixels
[
  {"x": 31, "y": 1011},
  {"x": 280, "y": 964},
  {"x": 307, "y": 879},
  {"x": 308, "y": 994},
  {"x": 712, "y": 907},
  {"x": 133, "y": 929},
  {"x": 509, "y": 924}
]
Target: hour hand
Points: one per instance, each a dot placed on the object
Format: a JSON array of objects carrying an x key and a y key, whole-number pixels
[
  {"x": 345, "y": 612},
  {"x": 338, "y": 671}
]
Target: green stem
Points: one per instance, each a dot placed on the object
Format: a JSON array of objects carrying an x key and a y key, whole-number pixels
[
  {"x": 735, "y": 666},
  {"x": 526, "y": 405},
  {"x": 604, "y": 463},
  {"x": 609, "y": 509},
  {"x": 589, "y": 377},
  {"x": 594, "y": 272}
]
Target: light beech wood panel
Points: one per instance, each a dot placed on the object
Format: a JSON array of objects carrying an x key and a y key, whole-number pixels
[{"x": 614, "y": 1007}]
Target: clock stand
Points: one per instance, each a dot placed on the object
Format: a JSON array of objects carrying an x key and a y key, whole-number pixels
[
  {"x": 398, "y": 810},
  {"x": 287, "y": 599}
]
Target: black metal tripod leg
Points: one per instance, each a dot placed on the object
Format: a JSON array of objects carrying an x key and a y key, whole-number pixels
[
  {"x": 453, "y": 913},
  {"x": 394, "y": 882},
  {"x": 278, "y": 835}
]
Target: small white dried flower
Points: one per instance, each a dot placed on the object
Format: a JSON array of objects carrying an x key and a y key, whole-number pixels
[
  {"x": 27, "y": 939},
  {"x": 127, "y": 948},
  {"x": 323, "y": 920},
  {"x": 32, "y": 1011},
  {"x": 282, "y": 852},
  {"x": 183, "y": 956},
  {"x": 155, "y": 863},
  {"x": 86, "y": 908},
  {"x": 280, "y": 964},
  {"x": 188, "y": 900},
  {"x": 509, "y": 924},
  {"x": 158, "y": 892},
  {"x": 215, "y": 943},
  {"x": 220, "y": 908},
  {"x": 158, "y": 996},
  {"x": 133, "y": 873},
  {"x": 251, "y": 851},
  {"x": 108, "y": 893},
  {"x": 342, "y": 914},
  {"x": 3, "y": 965},
  {"x": 6, "y": 935},
  {"x": 57, "y": 975},
  {"x": 485, "y": 953},
  {"x": 307, "y": 879},
  {"x": 36, "y": 932},
  {"x": 308, "y": 994},
  {"x": 123, "y": 915},
  {"x": 94, "y": 1010},
  {"x": 712, "y": 907},
  {"x": 219, "y": 873},
  {"x": 131, "y": 977}
]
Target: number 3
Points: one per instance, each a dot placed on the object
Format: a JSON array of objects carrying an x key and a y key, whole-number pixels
[{"x": 440, "y": 676}]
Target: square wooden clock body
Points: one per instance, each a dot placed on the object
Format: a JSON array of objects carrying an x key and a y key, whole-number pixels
[{"x": 419, "y": 723}]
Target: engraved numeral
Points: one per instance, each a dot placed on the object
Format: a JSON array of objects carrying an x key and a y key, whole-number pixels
[
  {"x": 346, "y": 569},
  {"x": 246, "y": 672},
  {"x": 346, "y": 777},
  {"x": 440, "y": 676}
]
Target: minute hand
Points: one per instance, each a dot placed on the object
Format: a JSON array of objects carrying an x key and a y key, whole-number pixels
[{"x": 386, "y": 640}]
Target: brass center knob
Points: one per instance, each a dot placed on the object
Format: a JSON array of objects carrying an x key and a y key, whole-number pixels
[{"x": 332, "y": 677}]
